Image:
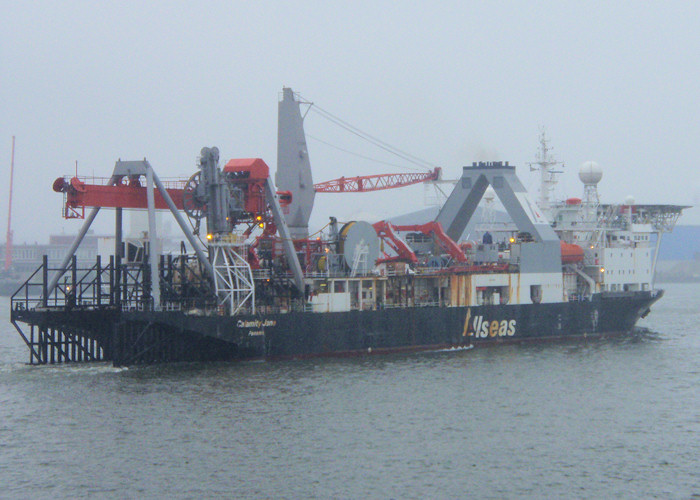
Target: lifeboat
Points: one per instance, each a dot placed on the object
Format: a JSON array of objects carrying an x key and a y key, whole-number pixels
[{"x": 571, "y": 253}]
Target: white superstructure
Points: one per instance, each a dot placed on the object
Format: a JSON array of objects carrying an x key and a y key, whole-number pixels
[{"x": 620, "y": 241}]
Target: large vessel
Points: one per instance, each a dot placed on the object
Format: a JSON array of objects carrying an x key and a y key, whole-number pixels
[{"x": 256, "y": 284}]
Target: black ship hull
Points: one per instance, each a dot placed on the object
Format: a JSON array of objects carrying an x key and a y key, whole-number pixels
[
  {"x": 419, "y": 328},
  {"x": 134, "y": 337}
]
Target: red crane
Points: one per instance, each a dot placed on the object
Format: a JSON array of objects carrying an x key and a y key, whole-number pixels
[
  {"x": 445, "y": 242},
  {"x": 130, "y": 193},
  {"x": 366, "y": 183},
  {"x": 387, "y": 232},
  {"x": 247, "y": 173},
  {"x": 127, "y": 193}
]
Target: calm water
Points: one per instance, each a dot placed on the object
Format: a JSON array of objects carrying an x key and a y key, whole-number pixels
[{"x": 615, "y": 418}]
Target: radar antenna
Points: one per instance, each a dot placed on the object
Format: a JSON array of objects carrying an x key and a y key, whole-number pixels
[{"x": 548, "y": 177}]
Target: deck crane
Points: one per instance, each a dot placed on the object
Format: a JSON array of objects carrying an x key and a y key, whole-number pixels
[
  {"x": 387, "y": 231},
  {"x": 248, "y": 182},
  {"x": 366, "y": 183},
  {"x": 239, "y": 193}
]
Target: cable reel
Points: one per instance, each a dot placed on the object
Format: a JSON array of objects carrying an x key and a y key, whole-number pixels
[{"x": 194, "y": 200}]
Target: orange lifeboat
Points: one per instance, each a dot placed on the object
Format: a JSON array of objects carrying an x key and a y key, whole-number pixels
[{"x": 571, "y": 253}]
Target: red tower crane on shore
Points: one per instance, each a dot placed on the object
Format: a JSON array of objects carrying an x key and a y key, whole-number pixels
[{"x": 8, "y": 241}]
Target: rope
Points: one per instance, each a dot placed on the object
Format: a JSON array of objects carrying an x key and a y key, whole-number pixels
[
  {"x": 369, "y": 138},
  {"x": 359, "y": 155}
]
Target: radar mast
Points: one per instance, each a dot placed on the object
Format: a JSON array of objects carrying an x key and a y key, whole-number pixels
[{"x": 545, "y": 163}]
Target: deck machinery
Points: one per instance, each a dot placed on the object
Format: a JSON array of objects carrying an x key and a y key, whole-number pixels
[{"x": 250, "y": 282}]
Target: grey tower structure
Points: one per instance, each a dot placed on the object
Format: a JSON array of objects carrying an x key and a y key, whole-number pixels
[
  {"x": 541, "y": 255},
  {"x": 293, "y": 167}
]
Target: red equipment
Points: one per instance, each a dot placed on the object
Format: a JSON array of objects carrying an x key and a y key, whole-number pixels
[
  {"x": 403, "y": 253},
  {"x": 366, "y": 183},
  {"x": 571, "y": 253},
  {"x": 251, "y": 173},
  {"x": 125, "y": 194},
  {"x": 445, "y": 242},
  {"x": 386, "y": 231}
]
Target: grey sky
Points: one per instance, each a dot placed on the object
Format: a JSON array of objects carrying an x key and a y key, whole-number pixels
[{"x": 450, "y": 82}]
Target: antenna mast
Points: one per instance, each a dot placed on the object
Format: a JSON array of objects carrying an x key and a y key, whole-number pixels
[
  {"x": 548, "y": 177},
  {"x": 8, "y": 240}
]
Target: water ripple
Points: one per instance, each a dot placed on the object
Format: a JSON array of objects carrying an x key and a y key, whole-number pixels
[{"x": 617, "y": 417}]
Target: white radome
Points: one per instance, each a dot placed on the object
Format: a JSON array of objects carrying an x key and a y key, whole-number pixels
[
  {"x": 489, "y": 194},
  {"x": 590, "y": 173}
]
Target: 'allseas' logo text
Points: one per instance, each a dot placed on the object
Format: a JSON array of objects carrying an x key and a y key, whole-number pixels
[{"x": 481, "y": 328}]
